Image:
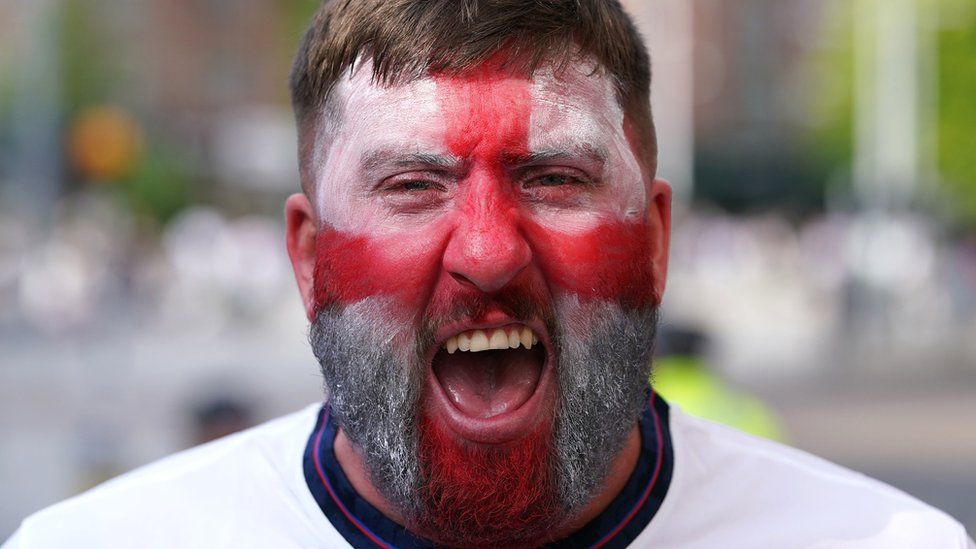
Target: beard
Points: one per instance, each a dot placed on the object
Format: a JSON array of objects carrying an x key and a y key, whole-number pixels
[{"x": 457, "y": 494}]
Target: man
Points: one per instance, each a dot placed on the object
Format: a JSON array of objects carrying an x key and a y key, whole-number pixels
[{"x": 481, "y": 247}]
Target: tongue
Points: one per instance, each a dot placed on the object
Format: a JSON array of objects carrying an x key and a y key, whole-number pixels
[{"x": 489, "y": 383}]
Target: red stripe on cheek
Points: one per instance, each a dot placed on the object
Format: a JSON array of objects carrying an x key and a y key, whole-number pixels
[
  {"x": 611, "y": 262},
  {"x": 351, "y": 268}
]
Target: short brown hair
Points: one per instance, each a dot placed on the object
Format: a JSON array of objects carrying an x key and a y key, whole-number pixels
[{"x": 407, "y": 39}]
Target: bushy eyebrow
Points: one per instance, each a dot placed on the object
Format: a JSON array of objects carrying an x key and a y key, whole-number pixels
[
  {"x": 584, "y": 151},
  {"x": 377, "y": 159}
]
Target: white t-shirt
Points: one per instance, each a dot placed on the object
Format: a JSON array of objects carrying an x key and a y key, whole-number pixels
[{"x": 727, "y": 489}]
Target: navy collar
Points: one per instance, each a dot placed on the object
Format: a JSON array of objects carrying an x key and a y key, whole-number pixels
[{"x": 362, "y": 525}]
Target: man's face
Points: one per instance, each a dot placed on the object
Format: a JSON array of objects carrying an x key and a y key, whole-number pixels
[{"x": 487, "y": 268}]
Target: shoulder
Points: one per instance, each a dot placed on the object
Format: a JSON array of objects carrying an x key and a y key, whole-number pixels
[
  {"x": 201, "y": 497},
  {"x": 761, "y": 493}
]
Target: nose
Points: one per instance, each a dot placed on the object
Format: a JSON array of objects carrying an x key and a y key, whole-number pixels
[{"x": 486, "y": 251}]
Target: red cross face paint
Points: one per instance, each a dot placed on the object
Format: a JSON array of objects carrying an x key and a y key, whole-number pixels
[
  {"x": 476, "y": 180},
  {"x": 486, "y": 211}
]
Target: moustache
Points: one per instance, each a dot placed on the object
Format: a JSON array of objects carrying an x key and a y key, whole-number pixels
[{"x": 518, "y": 302}]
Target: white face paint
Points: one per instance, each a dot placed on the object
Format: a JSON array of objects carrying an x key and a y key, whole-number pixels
[
  {"x": 372, "y": 117},
  {"x": 573, "y": 125},
  {"x": 578, "y": 107}
]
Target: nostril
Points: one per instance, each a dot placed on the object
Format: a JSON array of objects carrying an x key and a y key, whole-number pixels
[{"x": 465, "y": 281}]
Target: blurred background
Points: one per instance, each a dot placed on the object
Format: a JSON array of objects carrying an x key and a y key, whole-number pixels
[{"x": 823, "y": 271}]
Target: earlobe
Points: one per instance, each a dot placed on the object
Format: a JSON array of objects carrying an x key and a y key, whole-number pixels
[
  {"x": 300, "y": 235},
  {"x": 659, "y": 226}
]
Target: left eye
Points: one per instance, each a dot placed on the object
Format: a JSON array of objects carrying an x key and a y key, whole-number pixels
[
  {"x": 552, "y": 180},
  {"x": 415, "y": 185}
]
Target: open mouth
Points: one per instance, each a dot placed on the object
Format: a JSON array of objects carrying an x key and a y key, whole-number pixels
[{"x": 486, "y": 373}]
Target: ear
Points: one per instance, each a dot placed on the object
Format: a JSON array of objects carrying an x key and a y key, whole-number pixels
[
  {"x": 659, "y": 225},
  {"x": 300, "y": 234}
]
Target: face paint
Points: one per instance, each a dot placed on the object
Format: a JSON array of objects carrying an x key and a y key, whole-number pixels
[
  {"x": 352, "y": 268},
  {"x": 511, "y": 200},
  {"x": 577, "y": 209},
  {"x": 511, "y": 510},
  {"x": 610, "y": 262}
]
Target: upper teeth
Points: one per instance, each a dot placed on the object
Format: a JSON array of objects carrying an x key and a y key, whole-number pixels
[{"x": 499, "y": 338}]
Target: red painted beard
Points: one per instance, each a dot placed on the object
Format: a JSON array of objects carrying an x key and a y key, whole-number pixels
[
  {"x": 488, "y": 495},
  {"x": 485, "y": 495},
  {"x": 473, "y": 494}
]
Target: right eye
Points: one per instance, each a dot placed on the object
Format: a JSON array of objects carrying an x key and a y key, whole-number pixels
[
  {"x": 414, "y": 185},
  {"x": 409, "y": 193}
]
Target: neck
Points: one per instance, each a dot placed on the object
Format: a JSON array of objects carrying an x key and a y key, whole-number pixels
[{"x": 621, "y": 468}]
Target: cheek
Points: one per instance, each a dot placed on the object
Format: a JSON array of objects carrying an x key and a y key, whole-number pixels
[
  {"x": 351, "y": 268},
  {"x": 610, "y": 262}
]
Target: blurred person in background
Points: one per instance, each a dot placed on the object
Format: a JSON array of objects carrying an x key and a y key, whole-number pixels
[
  {"x": 220, "y": 416},
  {"x": 481, "y": 248},
  {"x": 683, "y": 374}
]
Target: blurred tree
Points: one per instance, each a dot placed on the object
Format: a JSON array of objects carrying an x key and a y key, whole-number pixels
[
  {"x": 829, "y": 137},
  {"x": 6, "y": 100},
  {"x": 298, "y": 14},
  {"x": 105, "y": 137},
  {"x": 957, "y": 106},
  {"x": 87, "y": 71},
  {"x": 774, "y": 129},
  {"x": 831, "y": 133},
  {"x": 295, "y": 17},
  {"x": 161, "y": 185}
]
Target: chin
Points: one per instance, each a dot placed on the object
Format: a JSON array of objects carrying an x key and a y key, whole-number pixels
[{"x": 487, "y": 495}]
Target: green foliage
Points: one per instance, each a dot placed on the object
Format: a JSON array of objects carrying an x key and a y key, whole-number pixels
[
  {"x": 161, "y": 186},
  {"x": 791, "y": 165},
  {"x": 295, "y": 16},
  {"x": 957, "y": 114},
  {"x": 87, "y": 73},
  {"x": 298, "y": 14},
  {"x": 6, "y": 100},
  {"x": 830, "y": 138}
]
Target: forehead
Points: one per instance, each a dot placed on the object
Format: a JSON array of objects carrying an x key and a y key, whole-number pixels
[{"x": 576, "y": 100}]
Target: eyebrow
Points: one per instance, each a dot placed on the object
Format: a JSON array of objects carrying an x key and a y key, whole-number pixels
[
  {"x": 376, "y": 159},
  {"x": 585, "y": 151}
]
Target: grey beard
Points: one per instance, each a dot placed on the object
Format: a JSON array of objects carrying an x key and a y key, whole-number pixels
[
  {"x": 604, "y": 372},
  {"x": 373, "y": 393},
  {"x": 603, "y": 367}
]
